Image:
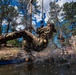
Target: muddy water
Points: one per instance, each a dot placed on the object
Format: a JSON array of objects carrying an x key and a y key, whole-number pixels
[{"x": 37, "y": 69}]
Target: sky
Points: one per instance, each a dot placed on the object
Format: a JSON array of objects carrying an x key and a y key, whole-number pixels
[
  {"x": 60, "y": 2},
  {"x": 46, "y": 6},
  {"x": 46, "y": 9}
]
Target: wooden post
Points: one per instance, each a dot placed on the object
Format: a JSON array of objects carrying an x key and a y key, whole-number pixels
[
  {"x": 42, "y": 13},
  {"x": 30, "y": 16}
]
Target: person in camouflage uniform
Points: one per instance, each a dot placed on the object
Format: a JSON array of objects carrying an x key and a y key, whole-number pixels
[
  {"x": 73, "y": 41},
  {"x": 46, "y": 32},
  {"x": 40, "y": 42},
  {"x": 30, "y": 41}
]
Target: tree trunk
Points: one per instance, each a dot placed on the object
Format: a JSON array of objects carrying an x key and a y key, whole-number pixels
[
  {"x": 0, "y": 30},
  {"x": 0, "y": 27},
  {"x": 8, "y": 27}
]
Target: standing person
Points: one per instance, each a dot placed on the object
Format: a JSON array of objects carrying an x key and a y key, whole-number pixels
[
  {"x": 73, "y": 40},
  {"x": 63, "y": 43},
  {"x": 62, "y": 40}
]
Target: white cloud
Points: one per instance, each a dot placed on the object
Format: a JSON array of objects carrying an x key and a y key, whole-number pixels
[
  {"x": 61, "y": 2},
  {"x": 20, "y": 27},
  {"x": 46, "y": 9},
  {"x": 46, "y": 5},
  {"x": 4, "y": 22}
]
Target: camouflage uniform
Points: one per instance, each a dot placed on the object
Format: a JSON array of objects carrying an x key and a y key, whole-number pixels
[
  {"x": 39, "y": 43},
  {"x": 44, "y": 32}
]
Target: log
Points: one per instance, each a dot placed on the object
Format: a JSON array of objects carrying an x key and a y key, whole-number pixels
[{"x": 31, "y": 42}]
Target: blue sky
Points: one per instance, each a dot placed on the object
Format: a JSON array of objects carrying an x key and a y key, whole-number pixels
[{"x": 46, "y": 5}]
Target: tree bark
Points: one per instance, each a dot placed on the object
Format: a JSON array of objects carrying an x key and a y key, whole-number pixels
[{"x": 0, "y": 27}]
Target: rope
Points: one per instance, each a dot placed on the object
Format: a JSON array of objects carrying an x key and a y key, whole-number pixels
[
  {"x": 28, "y": 5},
  {"x": 44, "y": 9},
  {"x": 41, "y": 4}
]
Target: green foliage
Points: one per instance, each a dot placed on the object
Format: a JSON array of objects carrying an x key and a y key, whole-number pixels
[
  {"x": 74, "y": 32},
  {"x": 69, "y": 10},
  {"x": 14, "y": 43},
  {"x": 7, "y": 11},
  {"x": 65, "y": 28},
  {"x": 54, "y": 12},
  {"x": 25, "y": 8}
]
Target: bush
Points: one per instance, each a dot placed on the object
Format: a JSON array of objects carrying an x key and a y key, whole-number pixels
[{"x": 14, "y": 43}]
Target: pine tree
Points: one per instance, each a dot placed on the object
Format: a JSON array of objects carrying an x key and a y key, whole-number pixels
[{"x": 54, "y": 12}]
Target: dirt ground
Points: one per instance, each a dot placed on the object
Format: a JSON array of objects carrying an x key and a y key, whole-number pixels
[{"x": 7, "y": 53}]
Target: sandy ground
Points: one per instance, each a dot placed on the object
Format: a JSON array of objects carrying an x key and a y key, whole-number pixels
[{"x": 8, "y": 53}]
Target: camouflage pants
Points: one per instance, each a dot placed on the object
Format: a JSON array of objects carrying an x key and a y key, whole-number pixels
[{"x": 25, "y": 46}]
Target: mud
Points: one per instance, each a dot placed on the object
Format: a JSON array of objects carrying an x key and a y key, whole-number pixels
[{"x": 49, "y": 54}]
